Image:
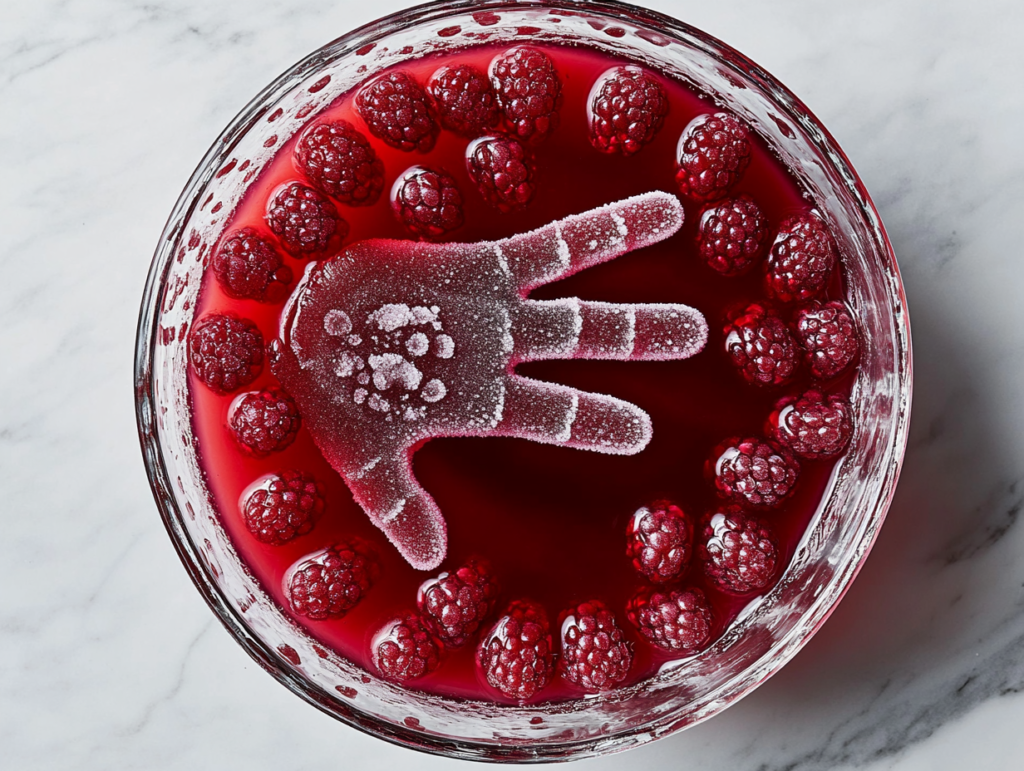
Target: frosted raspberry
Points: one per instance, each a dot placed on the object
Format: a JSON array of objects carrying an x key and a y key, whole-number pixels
[
  {"x": 465, "y": 101},
  {"x": 284, "y": 507},
  {"x": 801, "y": 259},
  {"x": 658, "y": 540},
  {"x": 502, "y": 171},
  {"x": 812, "y": 425},
  {"x": 226, "y": 352},
  {"x": 427, "y": 202},
  {"x": 714, "y": 151},
  {"x": 406, "y": 648},
  {"x": 264, "y": 421},
  {"x": 732, "y": 235},
  {"x": 752, "y": 471},
  {"x": 248, "y": 267},
  {"x": 529, "y": 92},
  {"x": 458, "y": 602},
  {"x": 595, "y": 652},
  {"x": 341, "y": 162},
  {"x": 304, "y": 220},
  {"x": 677, "y": 620},
  {"x": 740, "y": 553},
  {"x": 760, "y": 345},
  {"x": 627, "y": 108},
  {"x": 329, "y": 584},
  {"x": 517, "y": 655},
  {"x": 397, "y": 112},
  {"x": 828, "y": 335}
]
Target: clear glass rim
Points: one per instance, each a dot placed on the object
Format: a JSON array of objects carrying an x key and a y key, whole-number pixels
[{"x": 160, "y": 479}]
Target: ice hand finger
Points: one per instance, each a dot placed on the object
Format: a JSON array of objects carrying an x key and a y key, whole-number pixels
[
  {"x": 582, "y": 240},
  {"x": 556, "y": 414},
  {"x": 666, "y": 331},
  {"x": 575, "y": 329},
  {"x": 406, "y": 513},
  {"x": 609, "y": 425}
]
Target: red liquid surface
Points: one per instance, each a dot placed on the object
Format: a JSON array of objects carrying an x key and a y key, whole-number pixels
[{"x": 551, "y": 520}]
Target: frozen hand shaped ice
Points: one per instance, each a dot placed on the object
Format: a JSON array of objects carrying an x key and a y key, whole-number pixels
[{"x": 392, "y": 343}]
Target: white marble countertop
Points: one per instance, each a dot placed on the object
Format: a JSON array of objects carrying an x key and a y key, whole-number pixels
[{"x": 108, "y": 656}]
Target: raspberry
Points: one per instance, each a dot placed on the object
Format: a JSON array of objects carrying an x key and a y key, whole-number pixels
[
  {"x": 752, "y": 471},
  {"x": 801, "y": 259},
  {"x": 284, "y": 507},
  {"x": 760, "y": 346},
  {"x": 739, "y": 553},
  {"x": 529, "y": 92},
  {"x": 226, "y": 352},
  {"x": 502, "y": 172},
  {"x": 812, "y": 425},
  {"x": 406, "y": 648},
  {"x": 427, "y": 202},
  {"x": 397, "y": 112},
  {"x": 264, "y": 421},
  {"x": 457, "y": 603},
  {"x": 714, "y": 151},
  {"x": 249, "y": 268},
  {"x": 340, "y": 162},
  {"x": 732, "y": 235},
  {"x": 658, "y": 540},
  {"x": 304, "y": 220},
  {"x": 465, "y": 101},
  {"x": 627, "y": 108},
  {"x": 829, "y": 337},
  {"x": 332, "y": 582},
  {"x": 674, "y": 619},
  {"x": 595, "y": 653},
  {"x": 517, "y": 655}
]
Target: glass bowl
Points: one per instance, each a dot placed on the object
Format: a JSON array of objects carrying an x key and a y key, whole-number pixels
[{"x": 769, "y": 632}]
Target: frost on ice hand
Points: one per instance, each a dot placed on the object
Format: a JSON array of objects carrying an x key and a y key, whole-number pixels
[{"x": 392, "y": 343}]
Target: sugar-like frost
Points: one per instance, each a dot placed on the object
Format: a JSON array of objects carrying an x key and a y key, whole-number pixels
[{"x": 392, "y": 343}]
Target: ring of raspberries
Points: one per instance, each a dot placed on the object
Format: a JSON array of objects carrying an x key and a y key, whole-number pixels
[{"x": 682, "y": 559}]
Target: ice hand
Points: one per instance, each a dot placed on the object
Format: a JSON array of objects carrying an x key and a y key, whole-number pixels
[{"x": 392, "y": 343}]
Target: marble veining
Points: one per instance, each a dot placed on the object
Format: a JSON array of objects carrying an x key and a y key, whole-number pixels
[{"x": 108, "y": 656}]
